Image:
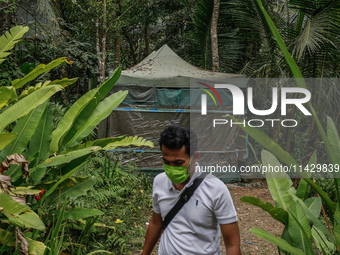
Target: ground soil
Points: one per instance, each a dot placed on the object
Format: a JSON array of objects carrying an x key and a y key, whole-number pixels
[{"x": 251, "y": 216}]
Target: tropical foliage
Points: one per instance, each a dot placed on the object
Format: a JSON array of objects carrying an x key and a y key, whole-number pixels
[
  {"x": 300, "y": 215},
  {"x": 123, "y": 194},
  {"x": 39, "y": 161},
  {"x": 42, "y": 154}
]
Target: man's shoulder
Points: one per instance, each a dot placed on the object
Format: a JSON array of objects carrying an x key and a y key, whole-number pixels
[
  {"x": 213, "y": 180},
  {"x": 160, "y": 179},
  {"x": 215, "y": 185}
]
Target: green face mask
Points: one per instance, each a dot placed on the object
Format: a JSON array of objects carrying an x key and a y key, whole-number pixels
[{"x": 177, "y": 174}]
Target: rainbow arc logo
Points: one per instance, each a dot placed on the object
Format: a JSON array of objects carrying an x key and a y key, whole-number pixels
[
  {"x": 208, "y": 92},
  {"x": 204, "y": 97}
]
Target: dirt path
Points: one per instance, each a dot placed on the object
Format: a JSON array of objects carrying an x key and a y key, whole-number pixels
[{"x": 251, "y": 216}]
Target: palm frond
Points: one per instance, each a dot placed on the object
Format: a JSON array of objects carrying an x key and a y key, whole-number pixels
[
  {"x": 319, "y": 29},
  {"x": 202, "y": 20},
  {"x": 9, "y": 39}
]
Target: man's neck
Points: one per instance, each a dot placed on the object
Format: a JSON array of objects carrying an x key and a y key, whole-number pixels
[{"x": 180, "y": 186}]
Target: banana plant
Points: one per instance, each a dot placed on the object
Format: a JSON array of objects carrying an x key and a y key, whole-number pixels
[
  {"x": 291, "y": 207},
  {"x": 20, "y": 216},
  {"x": 30, "y": 98},
  {"x": 299, "y": 215},
  {"x": 54, "y": 156}
]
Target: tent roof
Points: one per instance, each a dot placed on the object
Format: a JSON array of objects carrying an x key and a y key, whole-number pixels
[{"x": 164, "y": 68}]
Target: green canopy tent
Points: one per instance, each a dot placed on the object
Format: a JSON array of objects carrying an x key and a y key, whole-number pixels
[{"x": 162, "y": 91}]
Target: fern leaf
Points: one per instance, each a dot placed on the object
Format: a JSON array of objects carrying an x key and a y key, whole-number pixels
[{"x": 9, "y": 39}]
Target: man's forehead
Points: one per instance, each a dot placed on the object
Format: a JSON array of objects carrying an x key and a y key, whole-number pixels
[{"x": 175, "y": 153}]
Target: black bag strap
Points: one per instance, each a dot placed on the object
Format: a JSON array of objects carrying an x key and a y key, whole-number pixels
[{"x": 186, "y": 195}]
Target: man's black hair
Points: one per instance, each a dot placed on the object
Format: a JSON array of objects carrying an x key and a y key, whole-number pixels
[{"x": 174, "y": 137}]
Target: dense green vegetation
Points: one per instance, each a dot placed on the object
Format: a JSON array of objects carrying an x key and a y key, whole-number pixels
[
  {"x": 60, "y": 190},
  {"x": 41, "y": 159}
]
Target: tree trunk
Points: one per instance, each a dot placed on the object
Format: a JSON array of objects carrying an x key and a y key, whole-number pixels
[
  {"x": 147, "y": 40},
  {"x": 101, "y": 44},
  {"x": 213, "y": 33},
  {"x": 132, "y": 51},
  {"x": 98, "y": 49},
  {"x": 139, "y": 55}
]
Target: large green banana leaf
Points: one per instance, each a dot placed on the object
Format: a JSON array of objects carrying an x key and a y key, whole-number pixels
[
  {"x": 66, "y": 167},
  {"x": 301, "y": 83},
  {"x": 9, "y": 39},
  {"x": 40, "y": 69},
  {"x": 91, "y": 106},
  {"x": 68, "y": 119},
  {"x": 25, "y": 105},
  {"x": 79, "y": 112},
  {"x": 276, "y": 240},
  {"x": 322, "y": 243},
  {"x": 312, "y": 208},
  {"x": 314, "y": 205},
  {"x": 333, "y": 137},
  {"x": 71, "y": 181},
  {"x": 64, "y": 82},
  {"x": 108, "y": 84},
  {"x": 40, "y": 143},
  {"x": 5, "y": 139},
  {"x": 31, "y": 89},
  {"x": 81, "y": 213},
  {"x": 65, "y": 158},
  {"x": 25, "y": 128},
  {"x": 277, "y": 213},
  {"x": 279, "y": 184},
  {"x": 41, "y": 139},
  {"x": 74, "y": 191},
  {"x": 299, "y": 229},
  {"x": 18, "y": 214},
  {"x": 8, "y": 94},
  {"x": 55, "y": 186},
  {"x": 39, "y": 85},
  {"x": 103, "y": 110},
  {"x": 6, "y": 237},
  {"x": 304, "y": 188},
  {"x": 100, "y": 142},
  {"x": 35, "y": 247},
  {"x": 337, "y": 226},
  {"x": 285, "y": 157},
  {"x": 280, "y": 190},
  {"x": 25, "y": 191}
]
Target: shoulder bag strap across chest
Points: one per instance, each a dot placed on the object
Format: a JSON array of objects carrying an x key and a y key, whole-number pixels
[{"x": 186, "y": 195}]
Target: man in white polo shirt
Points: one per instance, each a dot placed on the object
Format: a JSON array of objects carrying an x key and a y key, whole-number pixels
[{"x": 196, "y": 228}]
